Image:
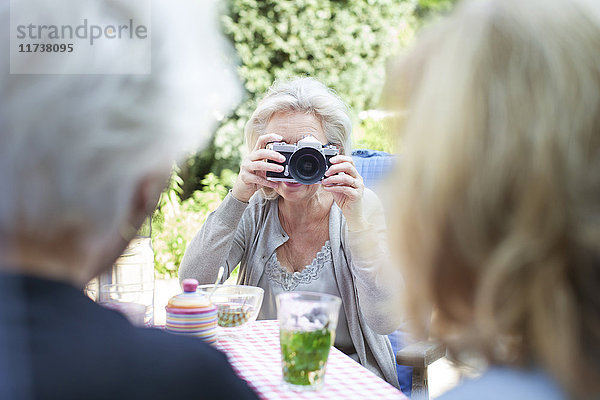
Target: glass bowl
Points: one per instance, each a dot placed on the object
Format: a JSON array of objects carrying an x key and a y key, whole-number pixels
[{"x": 237, "y": 305}]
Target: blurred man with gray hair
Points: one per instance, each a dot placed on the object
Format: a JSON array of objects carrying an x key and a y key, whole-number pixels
[{"x": 83, "y": 160}]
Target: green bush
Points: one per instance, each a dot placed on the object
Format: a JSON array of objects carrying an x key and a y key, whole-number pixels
[
  {"x": 176, "y": 222},
  {"x": 427, "y": 9},
  {"x": 375, "y": 133}
]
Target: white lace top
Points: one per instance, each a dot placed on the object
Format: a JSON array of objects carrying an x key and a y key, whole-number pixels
[{"x": 316, "y": 277}]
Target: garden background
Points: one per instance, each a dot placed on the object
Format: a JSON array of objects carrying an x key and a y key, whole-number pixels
[{"x": 343, "y": 43}]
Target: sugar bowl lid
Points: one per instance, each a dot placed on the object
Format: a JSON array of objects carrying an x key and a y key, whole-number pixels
[{"x": 190, "y": 298}]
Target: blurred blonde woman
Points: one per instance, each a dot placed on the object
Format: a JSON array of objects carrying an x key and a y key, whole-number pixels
[{"x": 498, "y": 217}]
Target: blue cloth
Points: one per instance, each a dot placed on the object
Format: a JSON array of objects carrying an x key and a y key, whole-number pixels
[
  {"x": 398, "y": 340},
  {"x": 373, "y": 165},
  {"x": 502, "y": 383}
]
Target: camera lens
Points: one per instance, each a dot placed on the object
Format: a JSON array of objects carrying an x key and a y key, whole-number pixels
[{"x": 307, "y": 165}]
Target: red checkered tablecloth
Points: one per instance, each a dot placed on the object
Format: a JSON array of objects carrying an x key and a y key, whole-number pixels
[{"x": 256, "y": 358}]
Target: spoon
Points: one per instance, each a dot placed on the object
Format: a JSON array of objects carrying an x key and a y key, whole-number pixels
[{"x": 219, "y": 276}]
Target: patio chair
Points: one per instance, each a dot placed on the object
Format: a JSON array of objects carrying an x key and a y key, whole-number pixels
[{"x": 412, "y": 359}]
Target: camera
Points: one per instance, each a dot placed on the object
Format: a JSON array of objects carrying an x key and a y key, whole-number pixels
[{"x": 305, "y": 162}]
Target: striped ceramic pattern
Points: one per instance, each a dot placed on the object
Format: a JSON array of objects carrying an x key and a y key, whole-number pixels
[{"x": 188, "y": 316}]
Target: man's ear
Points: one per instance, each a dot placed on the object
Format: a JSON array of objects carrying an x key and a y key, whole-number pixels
[{"x": 102, "y": 254}]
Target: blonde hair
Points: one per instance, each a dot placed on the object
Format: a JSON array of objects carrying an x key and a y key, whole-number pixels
[
  {"x": 307, "y": 96},
  {"x": 498, "y": 217}
]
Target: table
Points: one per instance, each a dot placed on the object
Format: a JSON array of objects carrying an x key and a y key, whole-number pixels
[{"x": 256, "y": 358}]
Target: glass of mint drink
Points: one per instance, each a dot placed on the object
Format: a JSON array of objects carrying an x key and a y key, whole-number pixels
[{"x": 307, "y": 323}]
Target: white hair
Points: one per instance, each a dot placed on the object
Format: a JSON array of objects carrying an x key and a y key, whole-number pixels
[
  {"x": 303, "y": 95},
  {"x": 73, "y": 148}
]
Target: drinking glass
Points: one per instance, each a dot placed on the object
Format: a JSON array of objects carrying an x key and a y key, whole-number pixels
[
  {"x": 134, "y": 300},
  {"x": 307, "y": 323}
]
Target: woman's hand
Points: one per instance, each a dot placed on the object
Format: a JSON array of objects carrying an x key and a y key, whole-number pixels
[
  {"x": 346, "y": 185},
  {"x": 254, "y": 167}
]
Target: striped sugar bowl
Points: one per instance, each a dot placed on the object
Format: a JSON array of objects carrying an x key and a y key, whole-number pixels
[{"x": 192, "y": 314}]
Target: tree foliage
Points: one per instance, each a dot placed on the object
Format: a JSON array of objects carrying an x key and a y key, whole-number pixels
[
  {"x": 427, "y": 9},
  {"x": 176, "y": 221}
]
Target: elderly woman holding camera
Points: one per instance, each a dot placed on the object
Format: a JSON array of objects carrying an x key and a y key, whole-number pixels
[
  {"x": 498, "y": 198},
  {"x": 328, "y": 236}
]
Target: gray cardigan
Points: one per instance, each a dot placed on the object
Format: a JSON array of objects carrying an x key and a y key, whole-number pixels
[{"x": 248, "y": 233}]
